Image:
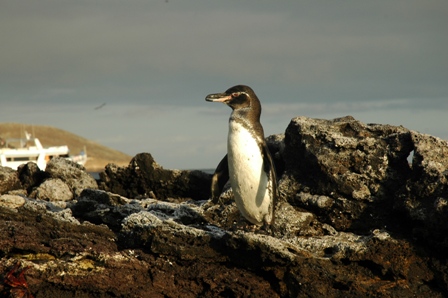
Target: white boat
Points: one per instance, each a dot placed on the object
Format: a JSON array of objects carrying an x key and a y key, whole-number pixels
[{"x": 15, "y": 152}]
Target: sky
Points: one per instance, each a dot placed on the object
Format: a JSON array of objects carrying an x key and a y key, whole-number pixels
[{"x": 153, "y": 62}]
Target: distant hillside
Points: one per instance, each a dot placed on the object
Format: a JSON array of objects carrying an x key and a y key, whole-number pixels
[{"x": 98, "y": 155}]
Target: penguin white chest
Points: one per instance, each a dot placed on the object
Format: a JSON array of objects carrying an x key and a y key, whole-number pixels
[{"x": 250, "y": 184}]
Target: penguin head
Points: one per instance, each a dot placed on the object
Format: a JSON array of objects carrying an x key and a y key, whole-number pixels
[{"x": 236, "y": 97}]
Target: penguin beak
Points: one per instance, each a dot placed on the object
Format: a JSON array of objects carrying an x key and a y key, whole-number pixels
[{"x": 218, "y": 97}]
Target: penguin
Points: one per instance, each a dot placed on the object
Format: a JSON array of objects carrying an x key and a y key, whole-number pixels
[{"x": 248, "y": 163}]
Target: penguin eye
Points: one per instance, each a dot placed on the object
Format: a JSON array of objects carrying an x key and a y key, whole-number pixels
[{"x": 235, "y": 94}]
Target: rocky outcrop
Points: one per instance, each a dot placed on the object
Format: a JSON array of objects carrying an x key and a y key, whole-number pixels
[
  {"x": 9, "y": 180},
  {"x": 362, "y": 212},
  {"x": 359, "y": 177},
  {"x": 53, "y": 190},
  {"x": 73, "y": 174},
  {"x": 145, "y": 177}
]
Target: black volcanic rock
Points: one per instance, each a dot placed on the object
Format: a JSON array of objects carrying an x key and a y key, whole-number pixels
[
  {"x": 73, "y": 174},
  {"x": 31, "y": 176},
  {"x": 424, "y": 199},
  {"x": 362, "y": 213},
  {"x": 357, "y": 176},
  {"x": 346, "y": 158},
  {"x": 53, "y": 189},
  {"x": 353, "y": 165},
  {"x": 101, "y": 207},
  {"x": 145, "y": 177},
  {"x": 9, "y": 180}
]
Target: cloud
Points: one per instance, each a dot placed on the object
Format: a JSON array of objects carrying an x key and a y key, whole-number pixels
[{"x": 115, "y": 50}]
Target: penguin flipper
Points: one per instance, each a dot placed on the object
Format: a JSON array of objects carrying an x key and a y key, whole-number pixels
[
  {"x": 269, "y": 169},
  {"x": 220, "y": 178}
]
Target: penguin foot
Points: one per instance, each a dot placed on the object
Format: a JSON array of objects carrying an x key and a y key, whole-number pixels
[
  {"x": 266, "y": 229},
  {"x": 246, "y": 226}
]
